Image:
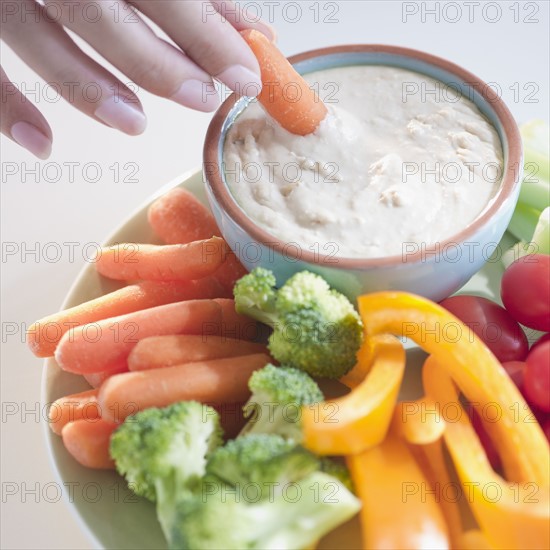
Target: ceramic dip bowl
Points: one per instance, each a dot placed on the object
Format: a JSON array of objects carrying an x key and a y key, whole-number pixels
[{"x": 434, "y": 270}]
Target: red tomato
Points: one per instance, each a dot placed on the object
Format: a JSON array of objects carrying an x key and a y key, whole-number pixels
[
  {"x": 537, "y": 377},
  {"x": 542, "y": 417},
  {"x": 525, "y": 291},
  {"x": 492, "y": 323},
  {"x": 541, "y": 340},
  {"x": 516, "y": 371},
  {"x": 546, "y": 429}
]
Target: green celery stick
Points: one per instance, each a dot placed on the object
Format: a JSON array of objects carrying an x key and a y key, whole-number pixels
[
  {"x": 535, "y": 192},
  {"x": 523, "y": 222},
  {"x": 535, "y": 135},
  {"x": 539, "y": 244}
]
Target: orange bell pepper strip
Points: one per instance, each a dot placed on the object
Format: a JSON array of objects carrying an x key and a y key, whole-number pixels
[
  {"x": 360, "y": 419},
  {"x": 420, "y": 423},
  {"x": 477, "y": 373},
  {"x": 399, "y": 510},
  {"x": 432, "y": 462},
  {"x": 512, "y": 514},
  {"x": 473, "y": 539}
]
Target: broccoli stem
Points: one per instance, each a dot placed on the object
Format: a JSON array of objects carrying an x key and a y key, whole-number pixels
[
  {"x": 302, "y": 514},
  {"x": 273, "y": 418}
]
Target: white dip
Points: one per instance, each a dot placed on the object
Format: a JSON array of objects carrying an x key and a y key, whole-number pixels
[{"x": 400, "y": 159}]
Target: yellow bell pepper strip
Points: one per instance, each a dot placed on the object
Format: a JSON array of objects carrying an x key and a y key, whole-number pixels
[
  {"x": 399, "y": 510},
  {"x": 478, "y": 374},
  {"x": 420, "y": 423},
  {"x": 365, "y": 358},
  {"x": 360, "y": 419},
  {"x": 513, "y": 514}
]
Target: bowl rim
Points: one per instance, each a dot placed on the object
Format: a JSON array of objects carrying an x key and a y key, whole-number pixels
[{"x": 512, "y": 153}]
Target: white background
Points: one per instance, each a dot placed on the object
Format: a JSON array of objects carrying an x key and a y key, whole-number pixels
[{"x": 506, "y": 50}]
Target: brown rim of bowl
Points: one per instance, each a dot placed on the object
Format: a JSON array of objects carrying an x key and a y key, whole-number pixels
[{"x": 508, "y": 183}]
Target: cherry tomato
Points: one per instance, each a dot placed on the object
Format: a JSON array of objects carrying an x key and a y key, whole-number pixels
[
  {"x": 516, "y": 371},
  {"x": 484, "y": 439},
  {"x": 537, "y": 377},
  {"x": 541, "y": 340},
  {"x": 542, "y": 417},
  {"x": 525, "y": 291},
  {"x": 492, "y": 323}
]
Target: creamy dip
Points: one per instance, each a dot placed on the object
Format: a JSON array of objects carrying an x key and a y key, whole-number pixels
[{"x": 392, "y": 164}]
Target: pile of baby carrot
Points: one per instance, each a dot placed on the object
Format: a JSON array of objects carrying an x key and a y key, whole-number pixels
[{"x": 171, "y": 334}]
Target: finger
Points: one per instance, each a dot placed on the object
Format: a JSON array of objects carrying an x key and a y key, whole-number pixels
[
  {"x": 243, "y": 19},
  {"x": 209, "y": 40},
  {"x": 130, "y": 45},
  {"x": 21, "y": 121},
  {"x": 49, "y": 50}
]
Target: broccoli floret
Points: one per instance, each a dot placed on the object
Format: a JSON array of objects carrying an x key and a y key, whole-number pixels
[
  {"x": 162, "y": 453},
  {"x": 315, "y": 328},
  {"x": 261, "y": 459},
  {"x": 257, "y": 293},
  {"x": 338, "y": 470},
  {"x": 314, "y": 506},
  {"x": 295, "y": 515},
  {"x": 278, "y": 393},
  {"x": 210, "y": 522}
]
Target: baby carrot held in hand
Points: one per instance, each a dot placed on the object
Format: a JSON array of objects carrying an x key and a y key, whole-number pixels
[
  {"x": 213, "y": 382},
  {"x": 177, "y": 262},
  {"x": 166, "y": 351},
  {"x": 44, "y": 335},
  {"x": 285, "y": 95}
]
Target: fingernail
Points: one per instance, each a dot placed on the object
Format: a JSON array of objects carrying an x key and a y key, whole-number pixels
[
  {"x": 32, "y": 139},
  {"x": 198, "y": 95},
  {"x": 267, "y": 29},
  {"x": 118, "y": 113},
  {"x": 241, "y": 80}
]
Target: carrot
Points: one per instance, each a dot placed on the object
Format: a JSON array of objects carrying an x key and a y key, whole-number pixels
[
  {"x": 105, "y": 345},
  {"x": 285, "y": 95},
  {"x": 73, "y": 407},
  {"x": 95, "y": 379},
  {"x": 178, "y": 218},
  {"x": 214, "y": 382},
  {"x": 235, "y": 325},
  {"x": 88, "y": 442},
  {"x": 230, "y": 272},
  {"x": 176, "y": 262},
  {"x": 166, "y": 351},
  {"x": 44, "y": 335}
]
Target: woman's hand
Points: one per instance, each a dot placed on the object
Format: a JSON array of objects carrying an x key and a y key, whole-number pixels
[{"x": 208, "y": 46}]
